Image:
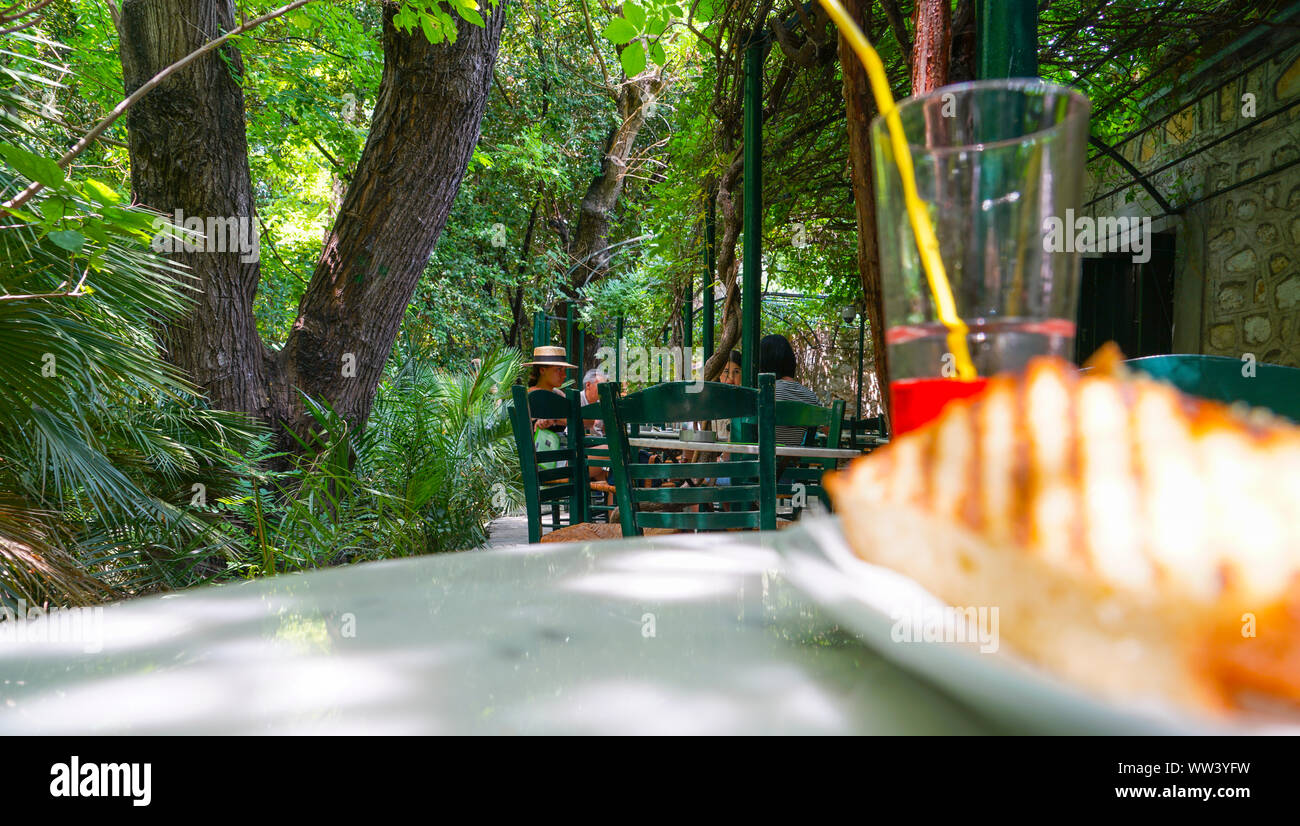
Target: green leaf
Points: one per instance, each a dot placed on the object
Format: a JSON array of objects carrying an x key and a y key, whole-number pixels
[
  {"x": 68, "y": 240},
  {"x": 101, "y": 192},
  {"x": 430, "y": 26},
  {"x": 471, "y": 15},
  {"x": 633, "y": 59},
  {"x": 634, "y": 14},
  {"x": 620, "y": 31},
  {"x": 704, "y": 11},
  {"x": 33, "y": 167},
  {"x": 52, "y": 209},
  {"x": 657, "y": 53}
]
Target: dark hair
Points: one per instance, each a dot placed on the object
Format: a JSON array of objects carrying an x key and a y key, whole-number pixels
[
  {"x": 775, "y": 355},
  {"x": 735, "y": 358}
]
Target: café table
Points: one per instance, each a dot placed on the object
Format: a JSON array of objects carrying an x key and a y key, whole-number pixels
[{"x": 681, "y": 634}]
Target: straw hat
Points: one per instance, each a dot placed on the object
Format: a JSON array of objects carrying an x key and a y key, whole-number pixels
[{"x": 549, "y": 357}]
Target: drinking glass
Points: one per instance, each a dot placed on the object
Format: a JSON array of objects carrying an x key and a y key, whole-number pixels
[{"x": 995, "y": 162}]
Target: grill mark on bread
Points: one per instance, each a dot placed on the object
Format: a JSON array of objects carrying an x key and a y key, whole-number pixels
[
  {"x": 929, "y": 449},
  {"x": 973, "y": 507},
  {"x": 1021, "y": 467},
  {"x": 1074, "y": 463}
]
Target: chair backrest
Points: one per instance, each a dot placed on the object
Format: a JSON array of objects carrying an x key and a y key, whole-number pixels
[
  {"x": 802, "y": 470},
  {"x": 1228, "y": 379},
  {"x": 554, "y": 484},
  {"x": 753, "y": 483},
  {"x": 808, "y": 471},
  {"x": 864, "y": 432}
]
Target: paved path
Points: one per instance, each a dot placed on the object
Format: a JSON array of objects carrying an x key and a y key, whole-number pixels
[{"x": 508, "y": 531}]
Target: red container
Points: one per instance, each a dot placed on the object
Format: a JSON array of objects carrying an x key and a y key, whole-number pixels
[{"x": 913, "y": 402}]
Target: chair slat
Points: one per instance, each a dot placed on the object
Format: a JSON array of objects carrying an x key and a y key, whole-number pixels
[
  {"x": 694, "y": 470},
  {"x": 697, "y": 496},
  {"x": 721, "y": 520}
]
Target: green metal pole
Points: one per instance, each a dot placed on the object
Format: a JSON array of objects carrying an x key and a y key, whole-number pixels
[
  {"x": 618, "y": 352},
  {"x": 753, "y": 226},
  {"x": 541, "y": 333},
  {"x": 1006, "y": 38},
  {"x": 706, "y": 331},
  {"x": 688, "y": 314},
  {"x": 571, "y": 344}
]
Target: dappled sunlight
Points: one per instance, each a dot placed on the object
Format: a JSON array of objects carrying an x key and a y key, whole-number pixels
[{"x": 654, "y": 587}]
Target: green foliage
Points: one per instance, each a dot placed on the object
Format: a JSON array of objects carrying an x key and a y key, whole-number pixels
[
  {"x": 441, "y": 442},
  {"x": 116, "y": 478},
  {"x": 97, "y": 433},
  {"x": 430, "y": 17}
]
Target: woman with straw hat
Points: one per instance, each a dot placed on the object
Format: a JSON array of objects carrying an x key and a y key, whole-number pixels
[{"x": 547, "y": 373}]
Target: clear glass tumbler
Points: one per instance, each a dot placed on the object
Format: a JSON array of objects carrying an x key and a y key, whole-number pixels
[{"x": 995, "y": 162}]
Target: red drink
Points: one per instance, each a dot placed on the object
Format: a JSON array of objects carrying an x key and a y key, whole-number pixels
[{"x": 913, "y": 402}]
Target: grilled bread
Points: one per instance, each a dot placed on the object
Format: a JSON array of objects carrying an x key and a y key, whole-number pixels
[{"x": 1136, "y": 540}]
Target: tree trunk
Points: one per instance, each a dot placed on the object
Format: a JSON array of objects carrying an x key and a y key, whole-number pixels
[
  {"x": 932, "y": 45},
  {"x": 732, "y": 219},
  {"x": 587, "y": 246},
  {"x": 860, "y": 108},
  {"x": 189, "y": 151},
  {"x": 426, "y": 123}
]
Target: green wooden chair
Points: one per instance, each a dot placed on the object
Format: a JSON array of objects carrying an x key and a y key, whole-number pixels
[
  {"x": 808, "y": 471},
  {"x": 546, "y": 483},
  {"x": 674, "y": 402},
  {"x": 865, "y": 432},
  {"x": 1227, "y": 379}
]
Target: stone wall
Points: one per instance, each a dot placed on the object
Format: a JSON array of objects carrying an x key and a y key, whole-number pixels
[{"x": 1237, "y": 283}]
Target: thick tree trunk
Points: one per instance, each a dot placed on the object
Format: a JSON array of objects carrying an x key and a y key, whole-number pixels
[
  {"x": 426, "y": 124},
  {"x": 189, "y": 151},
  {"x": 860, "y": 108}
]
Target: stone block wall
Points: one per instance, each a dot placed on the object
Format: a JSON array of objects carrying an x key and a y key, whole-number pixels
[{"x": 1237, "y": 283}]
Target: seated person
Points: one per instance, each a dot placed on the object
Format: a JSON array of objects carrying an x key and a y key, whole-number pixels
[
  {"x": 547, "y": 373},
  {"x": 594, "y": 427},
  {"x": 775, "y": 355},
  {"x": 591, "y": 395}
]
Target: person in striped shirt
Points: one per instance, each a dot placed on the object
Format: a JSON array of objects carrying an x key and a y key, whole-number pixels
[{"x": 775, "y": 355}]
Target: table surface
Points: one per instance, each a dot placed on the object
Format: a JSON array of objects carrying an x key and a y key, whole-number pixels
[
  {"x": 746, "y": 448},
  {"x": 688, "y": 634}
]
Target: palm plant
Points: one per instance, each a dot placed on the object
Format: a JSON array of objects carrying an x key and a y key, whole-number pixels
[
  {"x": 100, "y": 440},
  {"x": 441, "y": 441}
]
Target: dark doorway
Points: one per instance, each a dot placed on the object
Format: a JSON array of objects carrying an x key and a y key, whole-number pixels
[{"x": 1129, "y": 304}]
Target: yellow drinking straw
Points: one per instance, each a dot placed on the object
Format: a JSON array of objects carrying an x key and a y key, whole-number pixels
[{"x": 926, "y": 242}]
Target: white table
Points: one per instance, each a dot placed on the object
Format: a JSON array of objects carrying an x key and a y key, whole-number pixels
[
  {"x": 747, "y": 448},
  {"x": 534, "y": 639}
]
